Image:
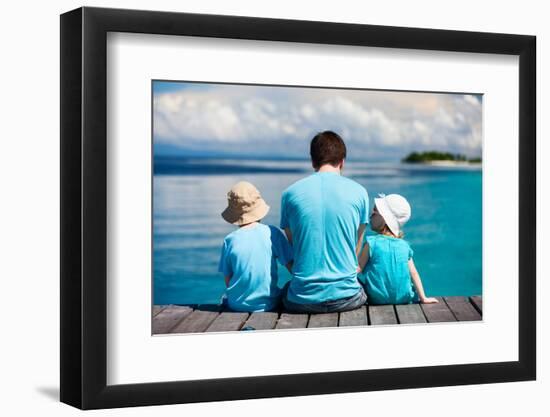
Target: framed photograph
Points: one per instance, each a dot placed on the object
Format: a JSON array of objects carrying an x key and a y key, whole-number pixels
[{"x": 257, "y": 208}]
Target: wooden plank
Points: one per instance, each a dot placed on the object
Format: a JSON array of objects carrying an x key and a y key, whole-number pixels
[
  {"x": 169, "y": 317},
  {"x": 199, "y": 320},
  {"x": 410, "y": 313},
  {"x": 323, "y": 320},
  {"x": 157, "y": 309},
  {"x": 292, "y": 321},
  {"x": 437, "y": 313},
  {"x": 261, "y": 321},
  {"x": 477, "y": 302},
  {"x": 357, "y": 317},
  {"x": 227, "y": 322},
  {"x": 383, "y": 314},
  {"x": 209, "y": 307},
  {"x": 462, "y": 309}
]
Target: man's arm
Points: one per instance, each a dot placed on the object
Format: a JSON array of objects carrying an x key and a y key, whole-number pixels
[
  {"x": 288, "y": 234},
  {"x": 360, "y": 236},
  {"x": 363, "y": 258}
]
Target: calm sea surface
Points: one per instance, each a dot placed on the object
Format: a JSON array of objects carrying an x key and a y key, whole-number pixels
[{"x": 445, "y": 230}]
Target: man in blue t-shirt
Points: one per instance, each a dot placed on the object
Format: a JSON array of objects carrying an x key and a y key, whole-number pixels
[{"x": 324, "y": 217}]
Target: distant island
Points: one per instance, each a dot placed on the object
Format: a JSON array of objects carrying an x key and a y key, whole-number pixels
[{"x": 436, "y": 158}]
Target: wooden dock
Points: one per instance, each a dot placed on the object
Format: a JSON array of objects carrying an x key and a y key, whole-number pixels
[{"x": 211, "y": 318}]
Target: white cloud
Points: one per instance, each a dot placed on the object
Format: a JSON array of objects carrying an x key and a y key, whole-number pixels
[
  {"x": 472, "y": 100},
  {"x": 272, "y": 119}
]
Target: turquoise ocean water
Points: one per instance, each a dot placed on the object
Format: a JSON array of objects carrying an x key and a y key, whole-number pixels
[{"x": 445, "y": 230}]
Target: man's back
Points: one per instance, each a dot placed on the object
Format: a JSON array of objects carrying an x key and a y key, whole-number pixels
[{"x": 323, "y": 212}]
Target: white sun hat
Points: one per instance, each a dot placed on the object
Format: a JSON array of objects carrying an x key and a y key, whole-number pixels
[{"x": 395, "y": 209}]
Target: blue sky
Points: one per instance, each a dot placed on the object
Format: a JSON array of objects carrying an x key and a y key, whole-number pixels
[{"x": 267, "y": 121}]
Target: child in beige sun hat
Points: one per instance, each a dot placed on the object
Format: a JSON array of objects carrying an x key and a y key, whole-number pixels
[{"x": 249, "y": 254}]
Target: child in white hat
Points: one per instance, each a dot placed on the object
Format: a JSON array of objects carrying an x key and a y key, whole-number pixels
[
  {"x": 387, "y": 259},
  {"x": 249, "y": 254}
]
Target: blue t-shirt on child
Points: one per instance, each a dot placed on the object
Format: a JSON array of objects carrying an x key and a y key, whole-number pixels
[
  {"x": 323, "y": 212},
  {"x": 387, "y": 276},
  {"x": 249, "y": 255}
]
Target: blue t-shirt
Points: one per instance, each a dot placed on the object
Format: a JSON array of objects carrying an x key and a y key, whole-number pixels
[
  {"x": 323, "y": 212},
  {"x": 387, "y": 276},
  {"x": 249, "y": 255}
]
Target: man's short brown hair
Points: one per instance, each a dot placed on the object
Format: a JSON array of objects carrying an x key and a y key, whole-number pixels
[{"x": 327, "y": 148}]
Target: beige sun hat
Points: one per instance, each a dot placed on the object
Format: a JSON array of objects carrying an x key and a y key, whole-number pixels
[
  {"x": 244, "y": 204},
  {"x": 395, "y": 210}
]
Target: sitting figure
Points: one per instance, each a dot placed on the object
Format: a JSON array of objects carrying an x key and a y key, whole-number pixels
[
  {"x": 250, "y": 253},
  {"x": 386, "y": 259},
  {"x": 324, "y": 216}
]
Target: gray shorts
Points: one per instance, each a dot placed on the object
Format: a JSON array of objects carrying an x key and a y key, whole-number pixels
[{"x": 331, "y": 306}]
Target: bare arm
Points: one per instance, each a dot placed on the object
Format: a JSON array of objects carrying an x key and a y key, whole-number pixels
[
  {"x": 418, "y": 285},
  {"x": 363, "y": 257},
  {"x": 288, "y": 234},
  {"x": 289, "y": 266},
  {"x": 227, "y": 279},
  {"x": 360, "y": 236}
]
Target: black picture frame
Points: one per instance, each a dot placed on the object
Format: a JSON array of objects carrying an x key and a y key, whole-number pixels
[{"x": 84, "y": 207}]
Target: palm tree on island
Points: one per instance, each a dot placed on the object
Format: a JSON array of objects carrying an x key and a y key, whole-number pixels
[{"x": 435, "y": 157}]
